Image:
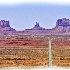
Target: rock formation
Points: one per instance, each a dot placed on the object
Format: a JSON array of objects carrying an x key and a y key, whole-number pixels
[
  {"x": 5, "y": 26},
  {"x": 37, "y": 27},
  {"x": 62, "y": 27}
]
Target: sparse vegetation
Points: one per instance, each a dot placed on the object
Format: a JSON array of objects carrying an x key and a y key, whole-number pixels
[
  {"x": 61, "y": 52},
  {"x": 33, "y": 51},
  {"x": 26, "y": 52}
]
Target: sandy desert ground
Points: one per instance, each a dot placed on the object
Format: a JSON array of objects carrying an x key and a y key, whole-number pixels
[
  {"x": 61, "y": 52},
  {"x": 21, "y": 51}
]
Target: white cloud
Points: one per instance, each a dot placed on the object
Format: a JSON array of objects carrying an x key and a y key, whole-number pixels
[{"x": 10, "y": 2}]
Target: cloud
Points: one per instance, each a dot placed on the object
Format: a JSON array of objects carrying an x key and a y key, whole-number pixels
[{"x": 10, "y": 2}]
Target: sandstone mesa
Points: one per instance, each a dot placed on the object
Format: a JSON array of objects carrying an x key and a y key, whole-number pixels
[{"x": 62, "y": 28}]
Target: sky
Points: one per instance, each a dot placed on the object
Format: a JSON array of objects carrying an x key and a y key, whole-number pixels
[{"x": 24, "y": 15}]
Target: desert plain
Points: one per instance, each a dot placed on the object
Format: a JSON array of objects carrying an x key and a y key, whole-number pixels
[{"x": 32, "y": 51}]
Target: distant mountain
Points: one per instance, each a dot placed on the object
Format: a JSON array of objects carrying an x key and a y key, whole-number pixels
[
  {"x": 5, "y": 26},
  {"x": 62, "y": 28}
]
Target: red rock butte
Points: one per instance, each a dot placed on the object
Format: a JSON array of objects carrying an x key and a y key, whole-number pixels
[
  {"x": 62, "y": 28},
  {"x": 5, "y": 26}
]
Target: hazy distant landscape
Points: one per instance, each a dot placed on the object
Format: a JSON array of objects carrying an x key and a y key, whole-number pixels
[{"x": 30, "y": 47}]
